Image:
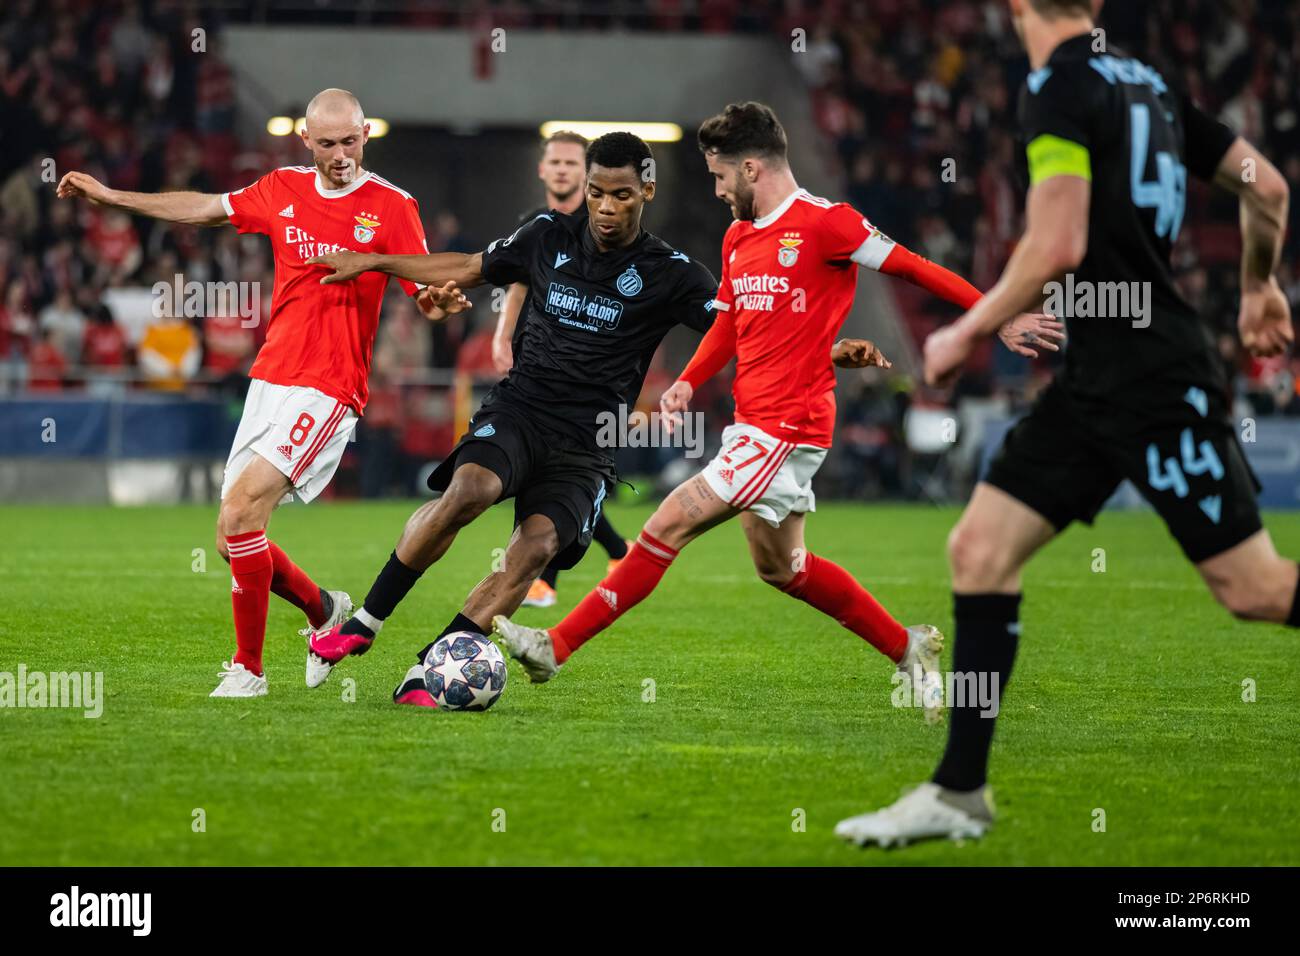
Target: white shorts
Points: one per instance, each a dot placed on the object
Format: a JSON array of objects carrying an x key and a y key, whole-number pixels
[
  {"x": 300, "y": 430},
  {"x": 756, "y": 472}
]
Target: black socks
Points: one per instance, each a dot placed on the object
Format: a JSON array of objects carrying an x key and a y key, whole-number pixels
[
  {"x": 609, "y": 539},
  {"x": 393, "y": 583},
  {"x": 1293, "y": 619},
  {"x": 458, "y": 623},
  {"x": 988, "y": 633}
]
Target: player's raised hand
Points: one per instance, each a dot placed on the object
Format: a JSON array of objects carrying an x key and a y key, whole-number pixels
[
  {"x": 945, "y": 352},
  {"x": 858, "y": 353},
  {"x": 82, "y": 186},
  {"x": 673, "y": 403},
  {"x": 1265, "y": 319},
  {"x": 1030, "y": 330},
  {"x": 346, "y": 265},
  {"x": 438, "y": 302}
]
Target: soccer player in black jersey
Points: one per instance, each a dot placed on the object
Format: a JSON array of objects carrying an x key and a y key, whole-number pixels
[
  {"x": 1142, "y": 395},
  {"x": 603, "y": 293},
  {"x": 562, "y": 170}
]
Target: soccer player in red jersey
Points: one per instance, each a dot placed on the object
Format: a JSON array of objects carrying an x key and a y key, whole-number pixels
[
  {"x": 789, "y": 272},
  {"x": 309, "y": 379}
]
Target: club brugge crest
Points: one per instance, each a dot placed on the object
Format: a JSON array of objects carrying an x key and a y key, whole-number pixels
[{"x": 629, "y": 283}]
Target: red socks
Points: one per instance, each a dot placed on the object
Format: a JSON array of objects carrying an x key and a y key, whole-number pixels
[
  {"x": 626, "y": 586},
  {"x": 251, "y": 568},
  {"x": 294, "y": 585},
  {"x": 832, "y": 590}
]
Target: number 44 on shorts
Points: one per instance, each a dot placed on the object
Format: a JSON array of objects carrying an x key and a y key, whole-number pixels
[{"x": 1173, "y": 474}]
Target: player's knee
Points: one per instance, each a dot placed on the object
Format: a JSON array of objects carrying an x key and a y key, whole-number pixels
[
  {"x": 670, "y": 526},
  {"x": 222, "y": 548},
  {"x": 1251, "y": 599},
  {"x": 975, "y": 557},
  {"x": 239, "y": 514},
  {"x": 466, "y": 498},
  {"x": 535, "y": 544},
  {"x": 771, "y": 570}
]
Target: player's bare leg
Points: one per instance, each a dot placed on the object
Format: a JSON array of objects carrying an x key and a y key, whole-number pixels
[
  {"x": 532, "y": 546},
  {"x": 782, "y": 559},
  {"x": 428, "y": 534},
  {"x": 1254, "y": 582},
  {"x": 987, "y": 549},
  {"x": 241, "y": 539},
  {"x": 689, "y": 511}
]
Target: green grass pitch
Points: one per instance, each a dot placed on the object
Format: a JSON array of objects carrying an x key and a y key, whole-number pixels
[{"x": 1127, "y": 699}]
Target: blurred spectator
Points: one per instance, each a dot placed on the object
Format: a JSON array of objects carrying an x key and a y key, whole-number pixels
[
  {"x": 104, "y": 343},
  {"x": 169, "y": 353},
  {"x": 64, "y": 323},
  {"x": 46, "y": 366}
]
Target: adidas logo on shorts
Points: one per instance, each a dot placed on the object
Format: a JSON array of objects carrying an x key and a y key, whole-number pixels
[
  {"x": 726, "y": 474},
  {"x": 286, "y": 451}
]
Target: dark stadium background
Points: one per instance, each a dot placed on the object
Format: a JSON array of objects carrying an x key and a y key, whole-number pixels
[{"x": 879, "y": 95}]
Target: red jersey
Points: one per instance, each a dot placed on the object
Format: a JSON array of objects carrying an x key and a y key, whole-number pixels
[
  {"x": 788, "y": 281},
  {"x": 321, "y": 336}
]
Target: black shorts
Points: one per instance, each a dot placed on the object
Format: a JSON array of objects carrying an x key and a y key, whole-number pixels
[
  {"x": 1066, "y": 458},
  {"x": 543, "y": 471}
]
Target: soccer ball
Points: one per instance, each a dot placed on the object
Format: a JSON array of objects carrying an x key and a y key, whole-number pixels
[{"x": 464, "y": 671}]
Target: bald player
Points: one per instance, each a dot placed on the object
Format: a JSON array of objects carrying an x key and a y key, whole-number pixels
[{"x": 309, "y": 379}]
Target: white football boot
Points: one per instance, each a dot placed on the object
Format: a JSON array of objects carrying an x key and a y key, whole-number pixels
[
  {"x": 339, "y": 612},
  {"x": 921, "y": 659},
  {"x": 530, "y": 646},
  {"x": 930, "y": 811},
  {"x": 238, "y": 681}
]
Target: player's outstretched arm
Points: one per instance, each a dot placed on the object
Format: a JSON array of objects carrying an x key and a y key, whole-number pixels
[
  {"x": 502, "y": 351},
  {"x": 436, "y": 269},
  {"x": 1021, "y": 334},
  {"x": 196, "y": 209},
  {"x": 1265, "y": 317},
  {"x": 1055, "y": 241}
]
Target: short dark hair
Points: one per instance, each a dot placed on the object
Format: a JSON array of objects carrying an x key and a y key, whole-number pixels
[
  {"x": 565, "y": 136},
  {"x": 1058, "y": 8},
  {"x": 616, "y": 150},
  {"x": 743, "y": 129}
]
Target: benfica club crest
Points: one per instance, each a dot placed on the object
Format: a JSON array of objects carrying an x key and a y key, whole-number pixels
[
  {"x": 789, "y": 253},
  {"x": 365, "y": 228}
]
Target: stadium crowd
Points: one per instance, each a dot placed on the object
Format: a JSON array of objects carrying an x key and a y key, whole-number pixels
[{"x": 916, "y": 99}]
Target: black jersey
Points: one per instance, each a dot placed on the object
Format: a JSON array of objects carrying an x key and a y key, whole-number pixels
[
  {"x": 1113, "y": 119},
  {"x": 517, "y": 340},
  {"x": 592, "y": 320}
]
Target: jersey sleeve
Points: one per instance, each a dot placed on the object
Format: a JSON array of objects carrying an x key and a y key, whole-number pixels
[
  {"x": 1205, "y": 140},
  {"x": 697, "y": 296},
  {"x": 1055, "y": 117},
  {"x": 847, "y": 235},
  {"x": 725, "y": 298},
  {"x": 407, "y": 239},
  {"x": 510, "y": 259},
  {"x": 250, "y": 209}
]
